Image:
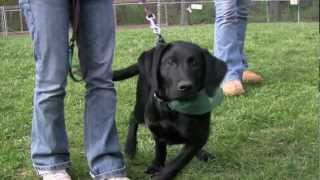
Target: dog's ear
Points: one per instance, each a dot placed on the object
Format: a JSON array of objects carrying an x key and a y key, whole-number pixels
[
  {"x": 158, "y": 53},
  {"x": 149, "y": 62},
  {"x": 215, "y": 72}
]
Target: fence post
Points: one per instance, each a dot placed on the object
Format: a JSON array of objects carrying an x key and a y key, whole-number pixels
[
  {"x": 115, "y": 14},
  {"x": 267, "y": 11},
  {"x": 1, "y": 20},
  {"x": 298, "y": 12},
  {"x": 5, "y": 22},
  {"x": 159, "y": 12},
  {"x": 183, "y": 14},
  {"x": 166, "y": 12},
  {"x": 21, "y": 21}
]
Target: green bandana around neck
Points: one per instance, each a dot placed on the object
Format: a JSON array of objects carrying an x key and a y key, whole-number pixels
[{"x": 200, "y": 104}]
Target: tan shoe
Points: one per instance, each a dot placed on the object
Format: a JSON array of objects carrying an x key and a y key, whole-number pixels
[
  {"x": 251, "y": 77},
  {"x": 233, "y": 88},
  {"x": 56, "y": 175}
]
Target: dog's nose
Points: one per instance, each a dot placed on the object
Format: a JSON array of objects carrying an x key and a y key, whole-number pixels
[{"x": 184, "y": 86}]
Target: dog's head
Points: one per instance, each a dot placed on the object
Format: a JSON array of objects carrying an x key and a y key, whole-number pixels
[{"x": 180, "y": 69}]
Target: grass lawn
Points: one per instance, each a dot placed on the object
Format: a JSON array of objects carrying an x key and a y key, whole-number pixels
[{"x": 270, "y": 133}]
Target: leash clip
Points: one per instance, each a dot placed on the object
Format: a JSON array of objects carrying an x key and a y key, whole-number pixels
[{"x": 155, "y": 27}]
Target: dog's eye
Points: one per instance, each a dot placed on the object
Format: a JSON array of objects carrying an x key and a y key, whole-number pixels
[
  {"x": 192, "y": 62},
  {"x": 170, "y": 61}
]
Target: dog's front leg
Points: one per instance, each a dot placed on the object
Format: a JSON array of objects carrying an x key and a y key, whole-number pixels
[
  {"x": 174, "y": 166},
  {"x": 160, "y": 158}
]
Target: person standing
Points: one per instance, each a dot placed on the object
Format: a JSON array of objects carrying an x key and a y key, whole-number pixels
[
  {"x": 48, "y": 22},
  {"x": 230, "y": 30}
]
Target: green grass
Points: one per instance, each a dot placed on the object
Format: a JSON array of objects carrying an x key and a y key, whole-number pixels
[{"x": 270, "y": 133}]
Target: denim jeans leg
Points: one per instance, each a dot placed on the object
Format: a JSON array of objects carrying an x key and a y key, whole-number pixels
[
  {"x": 226, "y": 46},
  {"x": 243, "y": 8},
  {"x": 48, "y": 25},
  {"x": 96, "y": 46}
]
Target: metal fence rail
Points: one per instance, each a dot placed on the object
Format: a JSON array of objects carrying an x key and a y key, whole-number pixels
[{"x": 181, "y": 13}]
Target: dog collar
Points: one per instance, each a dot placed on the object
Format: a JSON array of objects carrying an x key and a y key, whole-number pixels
[{"x": 200, "y": 104}]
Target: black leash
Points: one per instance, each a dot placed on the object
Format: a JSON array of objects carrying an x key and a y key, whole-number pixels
[{"x": 75, "y": 15}]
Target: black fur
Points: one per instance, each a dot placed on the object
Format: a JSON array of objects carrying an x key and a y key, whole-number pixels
[{"x": 173, "y": 71}]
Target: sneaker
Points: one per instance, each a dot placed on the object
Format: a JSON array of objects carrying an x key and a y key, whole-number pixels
[
  {"x": 251, "y": 77},
  {"x": 233, "y": 88},
  {"x": 56, "y": 175},
  {"x": 118, "y": 178}
]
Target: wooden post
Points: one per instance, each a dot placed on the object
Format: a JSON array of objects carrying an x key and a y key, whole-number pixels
[
  {"x": 166, "y": 13},
  {"x": 21, "y": 21}
]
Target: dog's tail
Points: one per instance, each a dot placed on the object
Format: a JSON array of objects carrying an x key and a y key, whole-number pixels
[{"x": 128, "y": 72}]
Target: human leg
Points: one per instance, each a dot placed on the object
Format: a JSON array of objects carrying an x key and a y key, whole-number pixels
[
  {"x": 96, "y": 41},
  {"x": 48, "y": 25}
]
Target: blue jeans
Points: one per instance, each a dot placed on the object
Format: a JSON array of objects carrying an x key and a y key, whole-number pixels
[
  {"x": 230, "y": 30},
  {"x": 48, "y": 23}
]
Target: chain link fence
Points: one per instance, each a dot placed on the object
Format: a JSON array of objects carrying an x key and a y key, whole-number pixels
[
  {"x": 183, "y": 13},
  {"x": 11, "y": 20}
]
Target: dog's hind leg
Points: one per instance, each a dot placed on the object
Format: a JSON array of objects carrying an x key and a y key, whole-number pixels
[{"x": 131, "y": 143}]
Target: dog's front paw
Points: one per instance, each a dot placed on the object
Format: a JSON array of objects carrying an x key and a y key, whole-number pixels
[
  {"x": 153, "y": 170},
  {"x": 205, "y": 156}
]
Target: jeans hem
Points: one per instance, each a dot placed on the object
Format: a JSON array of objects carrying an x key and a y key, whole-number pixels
[
  {"x": 58, "y": 166},
  {"x": 231, "y": 78},
  {"x": 109, "y": 174}
]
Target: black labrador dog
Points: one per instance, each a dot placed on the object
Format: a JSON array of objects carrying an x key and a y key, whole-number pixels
[{"x": 175, "y": 71}]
